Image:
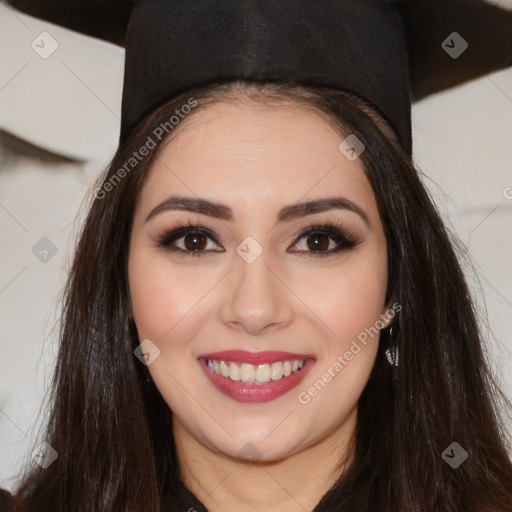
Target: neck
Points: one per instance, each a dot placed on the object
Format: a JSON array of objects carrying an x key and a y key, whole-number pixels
[{"x": 297, "y": 482}]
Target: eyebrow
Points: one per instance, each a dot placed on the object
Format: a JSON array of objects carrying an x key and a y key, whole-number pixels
[{"x": 224, "y": 212}]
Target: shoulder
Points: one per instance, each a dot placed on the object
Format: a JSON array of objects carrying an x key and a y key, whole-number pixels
[{"x": 7, "y": 501}]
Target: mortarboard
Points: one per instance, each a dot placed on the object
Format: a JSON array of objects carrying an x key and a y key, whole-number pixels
[{"x": 388, "y": 52}]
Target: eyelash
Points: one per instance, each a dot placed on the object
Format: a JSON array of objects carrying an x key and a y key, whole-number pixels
[{"x": 345, "y": 238}]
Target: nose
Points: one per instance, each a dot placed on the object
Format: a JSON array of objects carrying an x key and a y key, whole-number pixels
[{"x": 256, "y": 299}]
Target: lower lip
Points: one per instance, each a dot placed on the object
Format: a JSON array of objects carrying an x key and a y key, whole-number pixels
[{"x": 255, "y": 393}]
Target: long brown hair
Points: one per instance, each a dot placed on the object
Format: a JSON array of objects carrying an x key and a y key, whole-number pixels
[{"x": 111, "y": 427}]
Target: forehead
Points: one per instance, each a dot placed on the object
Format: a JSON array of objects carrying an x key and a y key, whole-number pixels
[{"x": 249, "y": 153}]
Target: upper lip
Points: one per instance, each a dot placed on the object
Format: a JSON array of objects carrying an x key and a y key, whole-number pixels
[{"x": 266, "y": 356}]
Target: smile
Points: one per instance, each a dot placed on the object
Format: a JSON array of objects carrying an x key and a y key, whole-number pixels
[
  {"x": 250, "y": 373},
  {"x": 251, "y": 377}
]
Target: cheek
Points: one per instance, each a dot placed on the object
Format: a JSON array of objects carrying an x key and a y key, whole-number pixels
[
  {"x": 353, "y": 304},
  {"x": 167, "y": 309},
  {"x": 348, "y": 299},
  {"x": 162, "y": 295}
]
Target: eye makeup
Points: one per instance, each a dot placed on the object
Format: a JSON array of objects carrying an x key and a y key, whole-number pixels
[{"x": 201, "y": 236}]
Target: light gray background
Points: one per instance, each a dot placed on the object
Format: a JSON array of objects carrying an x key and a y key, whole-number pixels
[{"x": 69, "y": 104}]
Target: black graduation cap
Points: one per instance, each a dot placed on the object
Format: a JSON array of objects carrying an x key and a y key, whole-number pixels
[{"x": 388, "y": 52}]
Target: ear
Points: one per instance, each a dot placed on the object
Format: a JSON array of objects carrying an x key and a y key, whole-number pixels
[{"x": 390, "y": 312}]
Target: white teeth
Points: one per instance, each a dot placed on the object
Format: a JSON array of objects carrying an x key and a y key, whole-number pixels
[
  {"x": 255, "y": 374},
  {"x": 224, "y": 369},
  {"x": 276, "y": 371},
  {"x": 247, "y": 372},
  {"x": 234, "y": 372},
  {"x": 263, "y": 373}
]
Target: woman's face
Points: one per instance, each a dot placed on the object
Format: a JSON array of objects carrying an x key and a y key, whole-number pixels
[{"x": 256, "y": 277}]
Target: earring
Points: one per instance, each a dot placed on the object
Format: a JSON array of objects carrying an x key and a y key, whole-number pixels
[{"x": 392, "y": 352}]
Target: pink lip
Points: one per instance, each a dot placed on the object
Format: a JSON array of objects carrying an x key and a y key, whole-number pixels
[
  {"x": 243, "y": 356},
  {"x": 256, "y": 393}
]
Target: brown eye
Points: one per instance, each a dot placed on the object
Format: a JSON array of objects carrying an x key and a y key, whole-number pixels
[
  {"x": 324, "y": 240},
  {"x": 191, "y": 241},
  {"x": 195, "y": 241},
  {"x": 318, "y": 242}
]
